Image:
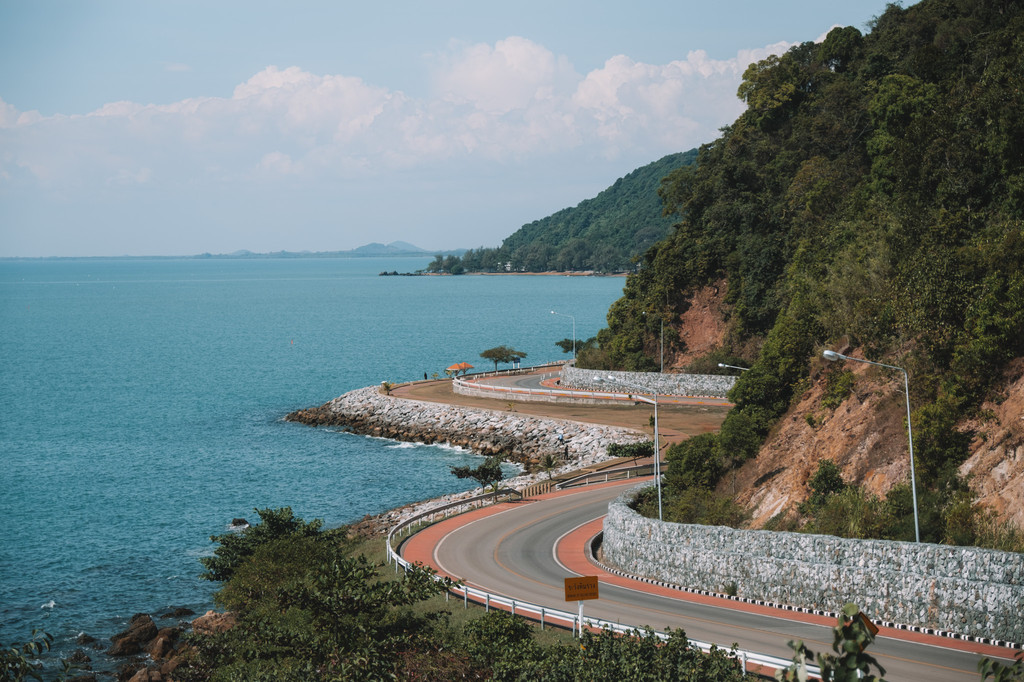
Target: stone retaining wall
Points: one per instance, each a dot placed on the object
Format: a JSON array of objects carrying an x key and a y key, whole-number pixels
[
  {"x": 966, "y": 590},
  {"x": 708, "y": 385},
  {"x": 515, "y": 437}
]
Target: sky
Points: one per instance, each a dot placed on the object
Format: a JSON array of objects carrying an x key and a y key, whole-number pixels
[{"x": 185, "y": 127}]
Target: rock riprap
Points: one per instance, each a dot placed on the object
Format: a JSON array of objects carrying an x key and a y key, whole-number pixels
[{"x": 525, "y": 439}]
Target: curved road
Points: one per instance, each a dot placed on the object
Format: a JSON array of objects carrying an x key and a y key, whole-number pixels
[{"x": 525, "y": 551}]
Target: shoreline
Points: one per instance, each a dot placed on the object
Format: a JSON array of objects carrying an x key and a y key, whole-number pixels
[{"x": 546, "y": 273}]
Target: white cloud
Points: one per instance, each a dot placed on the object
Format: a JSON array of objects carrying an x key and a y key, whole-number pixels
[
  {"x": 513, "y": 102},
  {"x": 278, "y": 163},
  {"x": 515, "y": 73}
]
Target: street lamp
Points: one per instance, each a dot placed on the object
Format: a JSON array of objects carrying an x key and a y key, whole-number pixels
[
  {"x": 653, "y": 400},
  {"x": 833, "y": 356},
  {"x": 724, "y": 366},
  {"x": 573, "y": 331}
]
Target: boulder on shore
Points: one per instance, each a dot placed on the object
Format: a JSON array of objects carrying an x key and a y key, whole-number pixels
[
  {"x": 141, "y": 630},
  {"x": 212, "y": 622}
]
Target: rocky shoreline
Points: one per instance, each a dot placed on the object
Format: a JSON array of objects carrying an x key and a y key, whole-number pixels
[
  {"x": 148, "y": 653},
  {"x": 522, "y": 439}
]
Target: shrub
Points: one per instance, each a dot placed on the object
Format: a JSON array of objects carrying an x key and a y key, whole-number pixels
[
  {"x": 496, "y": 635},
  {"x": 850, "y": 513},
  {"x": 698, "y": 505},
  {"x": 838, "y": 385},
  {"x": 827, "y": 481},
  {"x": 693, "y": 463},
  {"x": 634, "y": 450}
]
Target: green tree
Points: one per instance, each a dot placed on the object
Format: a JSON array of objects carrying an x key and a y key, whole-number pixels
[
  {"x": 693, "y": 463},
  {"x": 502, "y": 354},
  {"x": 486, "y": 474},
  {"x": 567, "y": 345},
  {"x": 236, "y": 548},
  {"x": 307, "y": 610}
]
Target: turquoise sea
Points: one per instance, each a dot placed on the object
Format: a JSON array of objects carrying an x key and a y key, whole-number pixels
[{"x": 142, "y": 403}]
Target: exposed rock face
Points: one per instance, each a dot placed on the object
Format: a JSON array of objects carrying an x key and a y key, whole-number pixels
[
  {"x": 514, "y": 437},
  {"x": 867, "y": 439},
  {"x": 996, "y": 463},
  {"x": 141, "y": 630},
  {"x": 702, "y": 328},
  {"x": 864, "y": 436}
]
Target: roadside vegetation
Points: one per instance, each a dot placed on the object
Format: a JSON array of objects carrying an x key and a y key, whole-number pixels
[{"x": 323, "y": 607}]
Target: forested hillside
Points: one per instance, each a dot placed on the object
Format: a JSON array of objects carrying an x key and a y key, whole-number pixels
[
  {"x": 602, "y": 234},
  {"x": 870, "y": 200}
]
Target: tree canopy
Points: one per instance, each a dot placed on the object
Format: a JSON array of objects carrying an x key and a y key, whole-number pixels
[{"x": 502, "y": 354}]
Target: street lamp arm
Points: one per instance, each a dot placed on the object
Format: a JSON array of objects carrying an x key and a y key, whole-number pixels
[
  {"x": 742, "y": 369},
  {"x": 832, "y": 355}
]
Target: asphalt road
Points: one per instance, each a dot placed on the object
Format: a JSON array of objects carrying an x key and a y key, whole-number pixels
[{"x": 516, "y": 552}]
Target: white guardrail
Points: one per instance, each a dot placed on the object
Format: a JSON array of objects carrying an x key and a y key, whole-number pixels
[{"x": 545, "y": 614}]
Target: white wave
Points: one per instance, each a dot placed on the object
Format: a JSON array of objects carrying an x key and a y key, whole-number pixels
[
  {"x": 48, "y": 605},
  {"x": 451, "y": 448},
  {"x": 403, "y": 446}
]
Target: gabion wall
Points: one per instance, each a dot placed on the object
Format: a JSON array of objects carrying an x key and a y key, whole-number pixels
[
  {"x": 709, "y": 385},
  {"x": 966, "y": 590}
]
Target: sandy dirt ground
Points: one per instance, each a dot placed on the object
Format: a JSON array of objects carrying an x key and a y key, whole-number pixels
[{"x": 675, "y": 422}]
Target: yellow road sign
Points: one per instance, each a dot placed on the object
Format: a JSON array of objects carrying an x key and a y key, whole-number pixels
[{"x": 578, "y": 589}]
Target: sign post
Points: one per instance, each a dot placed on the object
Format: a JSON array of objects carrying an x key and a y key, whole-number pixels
[{"x": 579, "y": 589}]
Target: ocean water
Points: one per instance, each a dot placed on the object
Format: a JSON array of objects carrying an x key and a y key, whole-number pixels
[{"x": 142, "y": 405}]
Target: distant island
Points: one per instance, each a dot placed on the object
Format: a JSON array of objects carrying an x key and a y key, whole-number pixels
[{"x": 372, "y": 250}]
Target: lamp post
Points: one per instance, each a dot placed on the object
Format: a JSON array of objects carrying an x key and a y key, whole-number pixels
[
  {"x": 573, "y": 331},
  {"x": 653, "y": 400},
  {"x": 724, "y": 366},
  {"x": 832, "y": 356}
]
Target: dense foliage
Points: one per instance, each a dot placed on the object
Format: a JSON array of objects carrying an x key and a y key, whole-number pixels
[
  {"x": 603, "y": 234},
  {"x": 236, "y": 548},
  {"x": 872, "y": 195}
]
